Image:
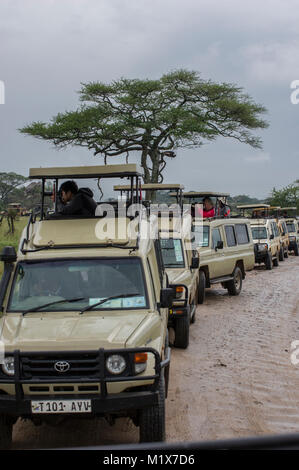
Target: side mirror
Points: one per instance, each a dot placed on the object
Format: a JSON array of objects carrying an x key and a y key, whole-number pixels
[
  {"x": 219, "y": 245},
  {"x": 195, "y": 262},
  {"x": 8, "y": 254},
  {"x": 167, "y": 297},
  {"x": 271, "y": 236}
]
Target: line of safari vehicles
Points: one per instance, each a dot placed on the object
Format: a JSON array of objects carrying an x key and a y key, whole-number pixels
[{"x": 87, "y": 303}]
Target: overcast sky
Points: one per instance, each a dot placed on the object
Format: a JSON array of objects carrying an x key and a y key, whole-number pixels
[{"x": 49, "y": 47}]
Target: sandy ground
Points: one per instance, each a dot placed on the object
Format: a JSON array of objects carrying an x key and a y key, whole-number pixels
[{"x": 235, "y": 379}]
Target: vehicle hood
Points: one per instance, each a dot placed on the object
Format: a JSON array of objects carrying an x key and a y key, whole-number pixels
[
  {"x": 61, "y": 331},
  {"x": 177, "y": 276}
]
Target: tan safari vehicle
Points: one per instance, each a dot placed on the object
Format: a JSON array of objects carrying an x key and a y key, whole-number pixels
[
  {"x": 180, "y": 262},
  {"x": 225, "y": 246},
  {"x": 283, "y": 231},
  {"x": 265, "y": 234},
  {"x": 289, "y": 214},
  {"x": 84, "y": 316}
]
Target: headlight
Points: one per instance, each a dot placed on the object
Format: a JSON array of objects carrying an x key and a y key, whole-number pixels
[
  {"x": 116, "y": 364},
  {"x": 262, "y": 246},
  {"x": 8, "y": 365},
  {"x": 179, "y": 291},
  {"x": 140, "y": 361}
]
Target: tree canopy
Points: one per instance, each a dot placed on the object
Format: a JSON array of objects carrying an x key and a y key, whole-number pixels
[
  {"x": 154, "y": 118},
  {"x": 285, "y": 197}
]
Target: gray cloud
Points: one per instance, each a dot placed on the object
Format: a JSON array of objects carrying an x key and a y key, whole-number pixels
[{"x": 50, "y": 47}]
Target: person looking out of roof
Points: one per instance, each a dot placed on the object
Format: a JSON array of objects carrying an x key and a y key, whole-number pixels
[{"x": 75, "y": 201}]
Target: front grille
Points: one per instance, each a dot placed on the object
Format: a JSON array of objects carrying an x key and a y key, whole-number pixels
[{"x": 71, "y": 365}]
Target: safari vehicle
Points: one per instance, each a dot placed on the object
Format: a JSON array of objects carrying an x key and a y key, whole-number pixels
[
  {"x": 265, "y": 234},
  {"x": 181, "y": 264},
  {"x": 283, "y": 231},
  {"x": 84, "y": 319},
  {"x": 225, "y": 246},
  {"x": 289, "y": 214}
]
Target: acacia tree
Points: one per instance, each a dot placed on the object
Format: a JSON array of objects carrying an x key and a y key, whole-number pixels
[{"x": 154, "y": 118}]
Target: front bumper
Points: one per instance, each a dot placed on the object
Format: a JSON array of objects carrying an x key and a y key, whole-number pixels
[{"x": 18, "y": 404}]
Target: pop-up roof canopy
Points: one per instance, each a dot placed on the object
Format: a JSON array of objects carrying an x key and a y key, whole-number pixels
[
  {"x": 194, "y": 194},
  {"x": 131, "y": 171},
  {"x": 151, "y": 186},
  {"x": 99, "y": 171},
  {"x": 254, "y": 206}
]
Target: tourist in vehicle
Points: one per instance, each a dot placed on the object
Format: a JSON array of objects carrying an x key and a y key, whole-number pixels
[
  {"x": 208, "y": 208},
  {"x": 75, "y": 201},
  {"x": 223, "y": 209}
]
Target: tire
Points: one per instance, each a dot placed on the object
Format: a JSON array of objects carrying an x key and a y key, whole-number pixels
[
  {"x": 281, "y": 257},
  {"x": 193, "y": 318},
  {"x": 234, "y": 286},
  {"x": 286, "y": 253},
  {"x": 201, "y": 287},
  {"x": 276, "y": 260},
  {"x": 5, "y": 433},
  {"x": 182, "y": 328},
  {"x": 296, "y": 250},
  {"x": 269, "y": 261},
  {"x": 152, "y": 418}
]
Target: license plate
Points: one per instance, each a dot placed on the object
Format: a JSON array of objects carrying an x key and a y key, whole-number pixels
[{"x": 60, "y": 406}]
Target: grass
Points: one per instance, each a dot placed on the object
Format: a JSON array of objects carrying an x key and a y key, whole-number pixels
[{"x": 11, "y": 239}]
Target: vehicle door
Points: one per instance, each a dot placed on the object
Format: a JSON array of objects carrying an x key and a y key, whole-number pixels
[{"x": 217, "y": 265}]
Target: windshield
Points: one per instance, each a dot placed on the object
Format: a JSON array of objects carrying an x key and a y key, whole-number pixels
[
  {"x": 259, "y": 232},
  {"x": 172, "y": 252},
  {"x": 76, "y": 284},
  {"x": 291, "y": 228},
  {"x": 201, "y": 235}
]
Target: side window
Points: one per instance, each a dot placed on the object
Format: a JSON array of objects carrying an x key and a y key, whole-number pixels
[
  {"x": 216, "y": 237},
  {"x": 276, "y": 231},
  {"x": 230, "y": 235},
  {"x": 242, "y": 234}
]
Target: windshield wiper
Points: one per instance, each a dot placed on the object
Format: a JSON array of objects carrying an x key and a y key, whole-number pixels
[
  {"x": 122, "y": 296},
  {"x": 35, "y": 309}
]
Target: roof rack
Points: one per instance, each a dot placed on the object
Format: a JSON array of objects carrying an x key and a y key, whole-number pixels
[
  {"x": 176, "y": 188},
  {"x": 195, "y": 194},
  {"x": 131, "y": 171}
]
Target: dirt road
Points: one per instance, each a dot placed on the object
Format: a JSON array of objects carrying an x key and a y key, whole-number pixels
[{"x": 236, "y": 378}]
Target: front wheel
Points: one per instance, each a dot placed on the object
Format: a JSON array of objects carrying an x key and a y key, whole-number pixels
[
  {"x": 286, "y": 253},
  {"x": 182, "y": 327},
  {"x": 152, "y": 418},
  {"x": 269, "y": 261},
  {"x": 296, "y": 250},
  {"x": 281, "y": 257},
  {"x": 234, "y": 286},
  {"x": 201, "y": 287}
]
